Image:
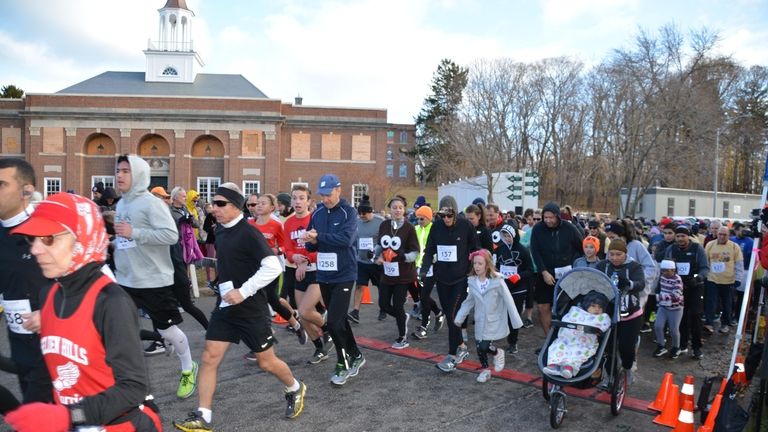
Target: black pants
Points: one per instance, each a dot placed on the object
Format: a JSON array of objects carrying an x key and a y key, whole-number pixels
[
  {"x": 519, "y": 299},
  {"x": 414, "y": 291},
  {"x": 391, "y": 301},
  {"x": 650, "y": 307},
  {"x": 336, "y": 298},
  {"x": 34, "y": 380},
  {"x": 273, "y": 298},
  {"x": 288, "y": 291},
  {"x": 690, "y": 326},
  {"x": 451, "y": 296},
  {"x": 626, "y": 338},
  {"x": 485, "y": 347},
  {"x": 427, "y": 304},
  {"x": 182, "y": 285}
]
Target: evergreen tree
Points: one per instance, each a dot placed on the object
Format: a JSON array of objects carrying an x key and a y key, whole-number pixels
[{"x": 11, "y": 92}]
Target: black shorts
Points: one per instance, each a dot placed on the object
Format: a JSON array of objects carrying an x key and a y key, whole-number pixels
[
  {"x": 159, "y": 303},
  {"x": 543, "y": 293},
  {"x": 254, "y": 330},
  {"x": 310, "y": 278},
  {"x": 368, "y": 272}
]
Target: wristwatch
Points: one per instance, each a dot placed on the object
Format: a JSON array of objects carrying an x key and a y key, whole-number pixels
[{"x": 77, "y": 416}]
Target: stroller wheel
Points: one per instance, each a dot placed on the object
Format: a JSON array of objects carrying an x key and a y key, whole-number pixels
[
  {"x": 546, "y": 387},
  {"x": 618, "y": 391},
  {"x": 557, "y": 409}
]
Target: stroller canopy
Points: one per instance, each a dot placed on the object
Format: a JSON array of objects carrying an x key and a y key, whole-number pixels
[{"x": 582, "y": 280}]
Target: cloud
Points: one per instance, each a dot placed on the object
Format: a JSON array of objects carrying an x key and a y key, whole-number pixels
[
  {"x": 747, "y": 47},
  {"x": 559, "y": 12}
]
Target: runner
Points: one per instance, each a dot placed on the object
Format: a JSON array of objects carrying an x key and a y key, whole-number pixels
[
  {"x": 423, "y": 226},
  {"x": 396, "y": 252},
  {"x": 367, "y": 271},
  {"x": 300, "y": 274},
  {"x": 246, "y": 265},
  {"x": 331, "y": 233},
  {"x": 104, "y": 381},
  {"x": 145, "y": 230}
]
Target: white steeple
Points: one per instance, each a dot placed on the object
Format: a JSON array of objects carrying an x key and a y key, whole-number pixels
[{"x": 172, "y": 57}]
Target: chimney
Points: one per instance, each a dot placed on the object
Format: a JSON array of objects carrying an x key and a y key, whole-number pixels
[{"x": 298, "y": 99}]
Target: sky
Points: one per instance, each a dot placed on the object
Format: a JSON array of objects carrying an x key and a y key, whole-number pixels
[{"x": 351, "y": 53}]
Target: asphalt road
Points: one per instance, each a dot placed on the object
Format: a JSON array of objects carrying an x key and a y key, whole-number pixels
[{"x": 397, "y": 393}]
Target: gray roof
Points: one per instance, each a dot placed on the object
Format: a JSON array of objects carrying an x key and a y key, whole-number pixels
[{"x": 132, "y": 83}]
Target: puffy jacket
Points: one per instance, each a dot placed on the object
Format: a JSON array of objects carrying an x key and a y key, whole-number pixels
[{"x": 336, "y": 232}]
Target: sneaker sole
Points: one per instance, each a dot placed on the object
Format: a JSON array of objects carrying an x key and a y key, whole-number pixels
[
  {"x": 355, "y": 371},
  {"x": 296, "y": 412},
  {"x": 445, "y": 370},
  {"x": 399, "y": 347},
  {"x": 338, "y": 384},
  {"x": 418, "y": 337},
  {"x": 316, "y": 361}
]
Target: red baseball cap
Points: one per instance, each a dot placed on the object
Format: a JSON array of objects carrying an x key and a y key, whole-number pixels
[{"x": 51, "y": 216}]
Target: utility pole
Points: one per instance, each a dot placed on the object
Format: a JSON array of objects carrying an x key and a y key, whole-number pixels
[{"x": 717, "y": 166}]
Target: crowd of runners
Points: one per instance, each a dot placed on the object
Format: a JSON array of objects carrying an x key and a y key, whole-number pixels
[{"x": 77, "y": 271}]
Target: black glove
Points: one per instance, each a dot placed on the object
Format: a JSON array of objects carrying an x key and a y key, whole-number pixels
[
  {"x": 698, "y": 279},
  {"x": 624, "y": 283}
]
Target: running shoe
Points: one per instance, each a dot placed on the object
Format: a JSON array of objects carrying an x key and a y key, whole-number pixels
[
  {"x": 461, "y": 354},
  {"x": 725, "y": 329},
  {"x": 193, "y": 423},
  {"x": 447, "y": 365},
  {"x": 295, "y": 401},
  {"x": 606, "y": 383},
  {"x": 357, "y": 363},
  {"x": 354, "y": 316},
  {"x": 340, "y": 375},
  {"x": 382, "y": 315},
  {"x": 420, "y": 333},
  {"x": 646, "y": 328},
  {"x": 250, "y": 356},
  {"x": 439, "y": 321},
  {"x": 484, "y": 376},
  {"x": 708, "y": 328},
  {"x": 527, "y": 323},
  {"x": 683, "y": 350},
  {"x": 675, "y": 353},
  {"x": 416, "y": 311},
  {"x": 513, "y": 349},
  {"x": 328, "y": 340},
  {"x": 498, "y": 360},
  {"x": 320, "y": 353},
  {"x": 188, "y": 382},
  {"x": 302, "y": 335},
  {"x": 697, "y": 355},
  {"x": 401, "y": 343},
  {"x": 154, "y": 348},
  {"x": 660, "y": 351}
]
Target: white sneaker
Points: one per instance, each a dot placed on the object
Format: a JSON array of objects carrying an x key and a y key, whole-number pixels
[
  {"x": 461, "y": 354},
  {"x": 484, "y": 376},
  {"x": 498, "y": 360}
]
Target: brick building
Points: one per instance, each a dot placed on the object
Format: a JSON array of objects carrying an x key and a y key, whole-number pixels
[{"x": 199, "y": 130}]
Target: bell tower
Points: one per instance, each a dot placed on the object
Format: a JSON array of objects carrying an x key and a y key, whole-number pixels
[{"x": 172, "y": 57}]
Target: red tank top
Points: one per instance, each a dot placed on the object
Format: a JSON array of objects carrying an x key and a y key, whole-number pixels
[{"x": 73, "y": 350}]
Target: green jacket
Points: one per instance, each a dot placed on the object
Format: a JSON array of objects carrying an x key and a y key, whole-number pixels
[{"x": 422, "y": 233}]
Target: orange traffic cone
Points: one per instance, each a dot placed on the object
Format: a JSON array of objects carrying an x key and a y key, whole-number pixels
[
  {"x": 366, "y": 295},
  {"x": 722, "y": 386},
  {"x": 709, "y": 424},
  {"x": 740, "y": 377},
  {"x": 668, "y": 416},
  {"x": 277, "y": 319},
  {"x": 685, "y": 419},
  {"x": 661, "y": 396},
  {"x": 686, "y": 394}
]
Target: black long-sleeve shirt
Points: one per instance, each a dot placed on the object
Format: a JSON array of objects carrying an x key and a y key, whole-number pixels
[
  {"x": 461, "y": 237},
  {"x": 556, "y": 247}
]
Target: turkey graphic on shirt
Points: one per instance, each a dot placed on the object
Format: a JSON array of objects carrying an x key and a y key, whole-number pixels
[{"x": 68, "y": 375}]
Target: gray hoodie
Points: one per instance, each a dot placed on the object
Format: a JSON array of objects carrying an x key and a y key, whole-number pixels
[{"x": 145, "y": 262}]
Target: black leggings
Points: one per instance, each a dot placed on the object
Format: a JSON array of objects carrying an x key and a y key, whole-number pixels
[
  {"x": 626, "y": 337},
  {"x": 273, "y": 297},
  {"x": 414, "y": 291},
  {"x": 485, "y": 347},
  {"x": 519, "y": 299},
  {"x": 288, "y": 290},
  {"x": 336, "y": 298},
  {"x": 690, "y": 326},
  {"x": 184, "y": 297},
  {"x": 427, "y": 304},
  {"x": 391, "y": 301},
  {"x": 8, "y": 401},
  {"x": 451, "y": 297}
]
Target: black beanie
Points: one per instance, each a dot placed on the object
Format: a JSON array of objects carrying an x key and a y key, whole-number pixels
[{"x": 365, "y": 205}]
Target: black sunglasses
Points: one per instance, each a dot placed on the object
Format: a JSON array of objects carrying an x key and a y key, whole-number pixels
[
  {"x": 220, "y": 203},
  {"x": 446, "y": 216},
  {"x": 421, "y": 219},
  {"x": 250, "y": 205},
  {"x": 46, "y": 240}
]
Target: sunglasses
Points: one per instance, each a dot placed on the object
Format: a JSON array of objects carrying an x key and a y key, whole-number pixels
[
  {"x": 46, "y": 240},
  {"x": 220, "y": 203},
  {"x": 249, "y": 205},
  {"x": 537, "y": 219},
  {"x": 421, "y": 219},
  {"x": 446, "y": 216}
]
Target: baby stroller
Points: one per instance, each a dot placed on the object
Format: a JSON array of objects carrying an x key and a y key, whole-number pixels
[{"x": 569, "y": 291}]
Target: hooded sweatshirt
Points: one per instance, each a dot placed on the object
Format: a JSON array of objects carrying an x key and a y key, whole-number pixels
[
  {"x": 144, "y": 261},
  {"x": 513, "y": 258},
  {"x": 556, "y": 247}
]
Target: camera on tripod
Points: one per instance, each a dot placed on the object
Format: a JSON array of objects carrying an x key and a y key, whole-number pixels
[{"x": 759, "y": 218}]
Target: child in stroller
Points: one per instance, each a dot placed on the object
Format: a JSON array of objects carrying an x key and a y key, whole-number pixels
[{"x": 573, "y": 347}]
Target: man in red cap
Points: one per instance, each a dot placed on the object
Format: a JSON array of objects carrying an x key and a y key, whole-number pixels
[{"x": 89, "y": 331}]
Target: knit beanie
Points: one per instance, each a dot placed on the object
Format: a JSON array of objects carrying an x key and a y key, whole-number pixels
[
  {"x": 618, "y": 244},
  {"x": 425, "y": 212},
  {"x": 365, "y": 205},
  {"x": 594, "y": 241}
]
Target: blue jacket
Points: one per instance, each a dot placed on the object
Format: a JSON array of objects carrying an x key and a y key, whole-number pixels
[{"x": 336, "y": 231}]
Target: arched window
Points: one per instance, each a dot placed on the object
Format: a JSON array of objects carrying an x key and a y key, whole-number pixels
[{"x": 170, "y": 71}]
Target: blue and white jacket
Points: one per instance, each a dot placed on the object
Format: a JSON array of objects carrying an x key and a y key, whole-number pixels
[{"x": 336, "y": 232}]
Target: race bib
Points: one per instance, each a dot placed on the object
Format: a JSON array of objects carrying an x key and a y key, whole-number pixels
[
  {"x": 392, "y": 269},
  {"x": 683, "y": 268},
  {"x": 447, "y": 253},
  {"x": 561, "y": 271},
  {"x": 90, "y": 429},
  {"x": 365, "y": 243},
  {"x": 508, "y": 271},
  {"x": 123, "y": 243},
  {"x": 718, "y": 267},
  {"x": 13, "y": 311},
  {"x": 327, "y": 261},
  {"x": 431, "y": 272},
  {"x": 224, "y": 288}
]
